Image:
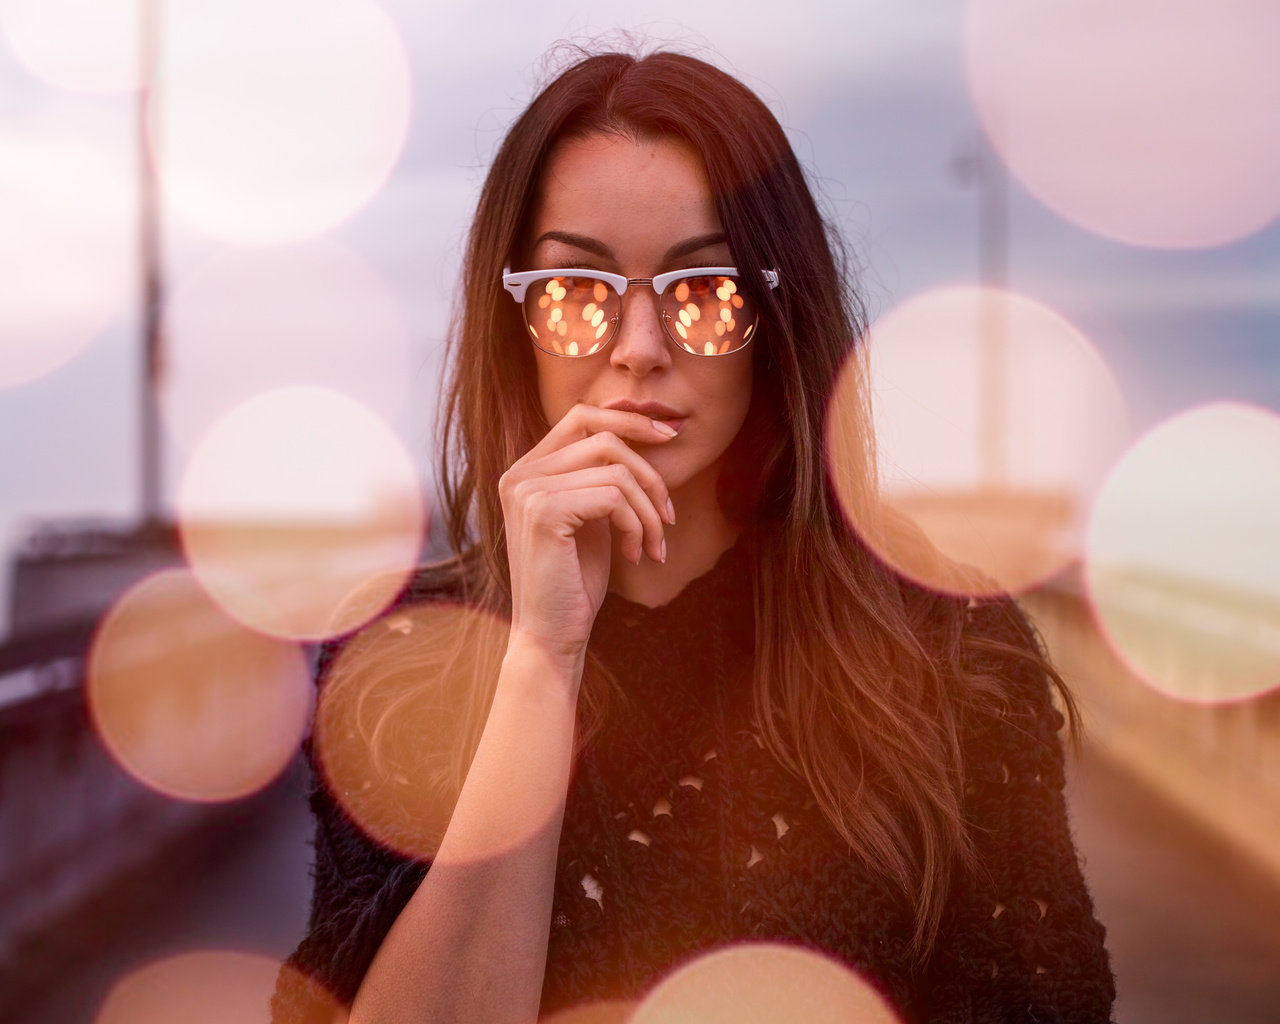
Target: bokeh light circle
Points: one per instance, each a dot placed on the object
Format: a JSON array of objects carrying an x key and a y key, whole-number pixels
[
  {"x": 203, "y": 987},
  {"x": 190, "y": 702},
  {"x": 764, "y": 983},
  {"x": 292, "y": 502},
  {"x": 81, "y": 45},
  {"x": 1147, "y": 121},
  {"x": 391, "y": 715},
  {"x": 64, "y": 229},
  {"x": 250, "y": 320},
  {"x": 610, "y": 1011},
  {"x": 1183, "y": 563},
  {"x": 995, "y": 422},
  {"x": 278, "y": 119}
]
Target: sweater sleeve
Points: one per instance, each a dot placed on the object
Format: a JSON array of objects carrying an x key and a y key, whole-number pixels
[
  {"x": 359, "y": 885},
  {"x": 1020, "y": 940},
  {"x": 360, "y": 889}
]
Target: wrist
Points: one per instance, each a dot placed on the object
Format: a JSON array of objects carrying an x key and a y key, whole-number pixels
[{"x": 534, "y": 665}]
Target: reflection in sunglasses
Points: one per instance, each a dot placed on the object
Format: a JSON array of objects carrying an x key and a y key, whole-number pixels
[
  {"x": 553, "y": 311},
  {"x": 557, "y": 326}
]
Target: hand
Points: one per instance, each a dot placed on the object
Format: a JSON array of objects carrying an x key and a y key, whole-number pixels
[{"x": 560, "y": 501}]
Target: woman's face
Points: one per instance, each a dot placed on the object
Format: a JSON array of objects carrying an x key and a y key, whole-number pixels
[{"x": 639, "y": 208}]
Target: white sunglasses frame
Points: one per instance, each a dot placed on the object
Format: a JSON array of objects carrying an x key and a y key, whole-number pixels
[{"x": 517, "y": 284}]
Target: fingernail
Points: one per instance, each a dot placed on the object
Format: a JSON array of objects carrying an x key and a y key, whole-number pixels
[
  {"x": 664, "y": 428},
  {"x": 671, "y": 513},
  {"x": 663, "y": 559}
]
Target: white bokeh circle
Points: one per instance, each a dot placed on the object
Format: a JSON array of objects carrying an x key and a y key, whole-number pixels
[
  {"x": 296, "y": 502},
  {"x": 276, "y": 120},
  {"x": 250, "y": 320},
  {"x": 1147, "y": 121},
  {"x": 1183, "y": 565}
]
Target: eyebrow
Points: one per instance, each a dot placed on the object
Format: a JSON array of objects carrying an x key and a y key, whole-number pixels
[{"x": 598, "y": 248}]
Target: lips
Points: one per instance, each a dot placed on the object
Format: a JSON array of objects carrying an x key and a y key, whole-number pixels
[{"x": 654, "y": 410}]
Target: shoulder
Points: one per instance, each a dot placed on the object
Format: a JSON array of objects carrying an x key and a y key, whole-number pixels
[
  {"x": 1001, "y": 648},
  {"x": 452, "y": 579},
  {"x": 1013, "y": 734},
  {"x": 989, "y": 650}
]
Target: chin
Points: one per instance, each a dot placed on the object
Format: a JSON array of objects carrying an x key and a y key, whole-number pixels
[{"x": 678, "y": 469}]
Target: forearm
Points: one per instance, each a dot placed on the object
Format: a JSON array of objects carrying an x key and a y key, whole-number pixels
[{"x": 471, "y": 943}]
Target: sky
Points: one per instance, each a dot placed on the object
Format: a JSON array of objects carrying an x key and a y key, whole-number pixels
[{"x": 873, "y": 94}]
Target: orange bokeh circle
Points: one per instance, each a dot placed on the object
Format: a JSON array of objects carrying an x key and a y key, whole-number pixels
[
  {"x": 764, "y": 983},
  {"x": 190, "y": 702},
  {"x": 611, "y": 1011},
  {"x": 1147, "y": 121},
  {"x": 390, "y": 718},
  {"x": 1183, "y": 567},
  {"x": 294, "y": 501},
  {"x": 995, "y": 421},
  {"x": 204, "y": 987}
]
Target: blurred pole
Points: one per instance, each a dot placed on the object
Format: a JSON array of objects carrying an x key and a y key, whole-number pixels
[
  {"x": 983, "y": 168},
  {"x": 150, "y": 260}
]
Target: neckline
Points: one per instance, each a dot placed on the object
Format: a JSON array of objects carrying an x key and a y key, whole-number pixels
[
  {"x": 730, "y": 555},
  {"x": 726, "y": 586}
]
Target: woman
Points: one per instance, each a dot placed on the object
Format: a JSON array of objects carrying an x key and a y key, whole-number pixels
[{"x": 708, "y": 713}]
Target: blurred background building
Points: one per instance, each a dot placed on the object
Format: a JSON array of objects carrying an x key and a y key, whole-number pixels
[{"x": 229, "y": 241}]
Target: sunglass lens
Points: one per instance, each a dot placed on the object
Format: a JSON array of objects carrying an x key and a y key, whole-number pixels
[
  {"x": 570, "y": 316},
  {"x": 708, "y": 316}
]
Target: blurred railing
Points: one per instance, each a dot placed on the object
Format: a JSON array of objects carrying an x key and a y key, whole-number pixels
[
  {"x": 72, "y": 822},
  {"x": 1219, "y": 763}
]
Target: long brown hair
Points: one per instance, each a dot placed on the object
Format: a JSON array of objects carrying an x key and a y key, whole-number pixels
[{"x": 854, "y": 694}]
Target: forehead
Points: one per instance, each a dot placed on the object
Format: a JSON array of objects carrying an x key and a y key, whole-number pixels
[{"x": 633, "y": 194}]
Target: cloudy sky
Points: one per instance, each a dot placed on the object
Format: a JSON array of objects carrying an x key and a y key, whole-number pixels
[{"x": 873, "y": 94}]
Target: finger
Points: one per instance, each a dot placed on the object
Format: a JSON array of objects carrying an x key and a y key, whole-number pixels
[
  {"x": 584, "y": 420},
  {"x": 605, "y": 449},
  {"x": 571, "y": 508},
  {"x": 648, "y": 531}
]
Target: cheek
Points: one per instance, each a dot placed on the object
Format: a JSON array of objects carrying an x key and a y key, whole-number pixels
[
  {"x": 729, "y": 391},
  {"x": 560, "y": 385}
]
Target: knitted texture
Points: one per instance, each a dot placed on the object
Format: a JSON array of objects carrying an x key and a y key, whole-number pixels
[{"x": 681, "y": 834}]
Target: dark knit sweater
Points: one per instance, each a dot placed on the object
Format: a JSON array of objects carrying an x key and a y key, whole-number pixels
[{"x": 681, "y": 833}]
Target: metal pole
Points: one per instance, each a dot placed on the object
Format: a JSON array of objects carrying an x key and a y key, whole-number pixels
[
  {"x": 993, "y": 248},
  {"x": 150, "y": 266}
]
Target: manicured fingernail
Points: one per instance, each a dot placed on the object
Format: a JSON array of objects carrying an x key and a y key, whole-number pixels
[
  {"x": 671, "y": 513},
  {"x": 663, "y": 559},
  {"x": 664, "y": 428}
]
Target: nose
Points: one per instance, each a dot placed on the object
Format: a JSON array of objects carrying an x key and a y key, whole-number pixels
[{"x": 640, "y": 347}]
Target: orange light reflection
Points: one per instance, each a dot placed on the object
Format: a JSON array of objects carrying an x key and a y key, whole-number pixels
[
  {"x": 189, "y": 702},
  {"x": 390, "y": 715},
  {"x": 764, "y": 983},
  {"x": 203, "y": 987}
]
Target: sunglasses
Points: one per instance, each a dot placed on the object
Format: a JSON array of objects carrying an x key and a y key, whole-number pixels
[{"x": 578, "y": 312}]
